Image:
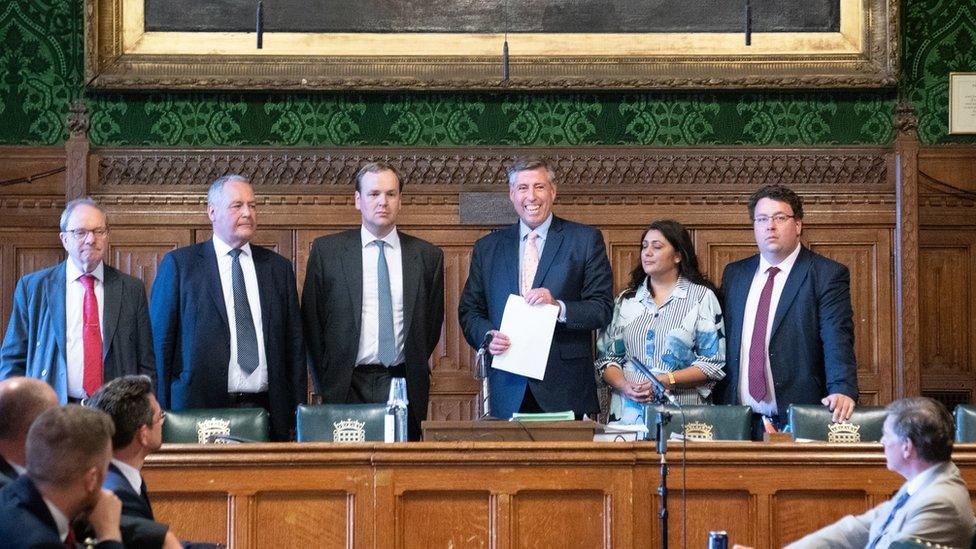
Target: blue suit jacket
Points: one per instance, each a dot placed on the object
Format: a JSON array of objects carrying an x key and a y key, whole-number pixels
[
  {"x": 811, "y": 345},
  {"x": 35, "y": 342},
  {"x": 575, "y": 269},
  {"x": 192, "y": 334},
  {"x": 133, "y": 504},
  {"x": 25, "y": 520}
]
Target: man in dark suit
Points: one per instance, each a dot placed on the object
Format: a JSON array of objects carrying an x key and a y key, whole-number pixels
[
  {"x": 80, "y": 322},
  {"x": 138, "y": 420},
  {"x": 226, "y": 321},
  {"x": 547, "y": 260},
  {"x": 373, "y": 303},
  {"x": 788, "y": 319},
  {"x": 22, "y": 399},
  {"x": 68, "y": 450}
]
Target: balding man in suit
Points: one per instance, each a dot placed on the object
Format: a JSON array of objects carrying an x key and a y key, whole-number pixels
[{"x": 22, "y": 399}]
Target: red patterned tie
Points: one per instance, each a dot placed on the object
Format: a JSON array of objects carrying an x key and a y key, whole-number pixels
[
  {"x": 92, "y": 338},
  {"x": 757, "y": 349},
  {"x": 69, "y": 540}
]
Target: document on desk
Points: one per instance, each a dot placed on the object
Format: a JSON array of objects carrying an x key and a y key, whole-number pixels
[{"x": 530, "y": 329}]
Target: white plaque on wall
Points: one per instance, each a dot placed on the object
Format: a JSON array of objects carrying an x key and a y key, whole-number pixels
[{"x": 962, "y": 102}]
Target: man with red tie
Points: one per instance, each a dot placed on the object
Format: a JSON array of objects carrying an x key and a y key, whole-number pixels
[
  {"x": 788, "y": 319},
  {"x": 81, "y": 322}
]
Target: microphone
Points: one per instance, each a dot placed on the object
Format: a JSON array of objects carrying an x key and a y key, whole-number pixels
[{"x": 661, "y": 394}]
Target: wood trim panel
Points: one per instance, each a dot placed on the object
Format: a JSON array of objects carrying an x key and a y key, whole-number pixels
[{"x": 515, "y": 494}]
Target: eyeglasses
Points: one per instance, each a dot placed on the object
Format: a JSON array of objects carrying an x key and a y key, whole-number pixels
[
  {"x": 777, "y": 219},
  {"x": 82, "y": 234},
  {"x": 162, "y": 416}
]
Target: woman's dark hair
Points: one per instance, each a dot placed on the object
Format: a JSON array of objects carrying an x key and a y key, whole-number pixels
[{"x": 677, "y": 235}]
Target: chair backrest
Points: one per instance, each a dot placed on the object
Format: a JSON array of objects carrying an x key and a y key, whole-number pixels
[
  {"x": 202, "y": 425},
  {"x": 813, "y": 421},
  {"x": 340, "y": 423},
  {"x": 710, "y": 422},
  {"x": 965, "y": 423}
]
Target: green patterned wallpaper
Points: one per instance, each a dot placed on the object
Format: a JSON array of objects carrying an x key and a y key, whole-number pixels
[{"x": 41, "y": 72}]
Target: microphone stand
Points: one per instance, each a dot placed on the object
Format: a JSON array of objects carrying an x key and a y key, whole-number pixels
[{"x": 661, "y": 419}]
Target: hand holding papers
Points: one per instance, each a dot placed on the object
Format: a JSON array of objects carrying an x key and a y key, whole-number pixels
[{"x": 530, "y": 329}]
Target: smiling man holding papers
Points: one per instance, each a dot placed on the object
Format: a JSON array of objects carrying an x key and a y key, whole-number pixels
[{"x": 548, "y": 261}]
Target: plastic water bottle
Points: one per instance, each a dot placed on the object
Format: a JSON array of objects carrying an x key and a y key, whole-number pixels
[{"x": 395, "y": 421}]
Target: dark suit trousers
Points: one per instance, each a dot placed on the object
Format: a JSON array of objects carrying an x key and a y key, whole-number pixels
[{"x": 370, "y": 384}]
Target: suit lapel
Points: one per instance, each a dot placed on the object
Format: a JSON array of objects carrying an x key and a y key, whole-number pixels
[
  {"x": 798, "y": 274},
  {"x": 352, "y": 268},
  {"x": 554, "y": 240},
  {"x": 112, "y": 294},
  {"x": 262, "y": 271},
  {"x": 740, "y": 294},
  {"x": 208, "y": 258},
  {"x": 56, "y": 290},
  {"x": 510, "y": 263},
  {"x": 411, "y": 269}
]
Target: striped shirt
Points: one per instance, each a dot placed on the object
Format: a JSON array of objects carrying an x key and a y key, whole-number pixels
[{"x": 687, "y": 330}]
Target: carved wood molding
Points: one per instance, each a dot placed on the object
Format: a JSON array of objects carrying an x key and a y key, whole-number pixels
[{"x": 593, "y": 170}]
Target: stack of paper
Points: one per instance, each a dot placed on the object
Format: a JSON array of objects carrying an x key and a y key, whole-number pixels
[{"x": 549, "y": 416}]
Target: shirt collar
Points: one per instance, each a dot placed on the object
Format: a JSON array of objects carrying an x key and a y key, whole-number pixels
[
  {"x": 222, "y": 248},
  {"x": 18, "y": 468},
  {"x": 130, "y": 473},
  {"x": 784, "y": 266},
  {"x": 541, "y": 231},
  {"x": 920, "y": 479},
  {"x": 60, "y": 519},
  {"x": 74, "y": 273},
  {"x": 392, "y": 239}
]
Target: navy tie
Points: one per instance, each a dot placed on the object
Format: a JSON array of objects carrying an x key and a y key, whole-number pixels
[
  {"x": 894, "y": 509},
  {"x": 247, "y": 339},
  {"x": 387, "y": 345}
]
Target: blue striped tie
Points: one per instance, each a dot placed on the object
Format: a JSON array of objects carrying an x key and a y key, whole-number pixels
[
  {"x": 894, "y": 509},
  {"x": 387, "y": 345},
  {"x": 247, "y": 339}
]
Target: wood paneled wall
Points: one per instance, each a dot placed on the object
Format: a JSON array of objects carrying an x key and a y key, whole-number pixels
[{"x": 156, "y": 202}]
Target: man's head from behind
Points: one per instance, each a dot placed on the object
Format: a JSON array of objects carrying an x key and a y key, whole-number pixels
[
  {"x": 22, "y": 399},
  {"x": 918, "y": 432},
  {"x": 68, "y": 450},
  {"x": 138, "y": 419}
]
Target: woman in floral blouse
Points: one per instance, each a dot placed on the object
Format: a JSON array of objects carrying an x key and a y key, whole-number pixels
[{"x": 668, "y": 323}]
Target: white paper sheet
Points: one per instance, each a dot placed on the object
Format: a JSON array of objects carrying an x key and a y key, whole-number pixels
[{"x": 530, "y": 328}]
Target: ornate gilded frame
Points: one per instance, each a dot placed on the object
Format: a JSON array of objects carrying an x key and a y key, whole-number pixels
[{"x": 120, "y": 55}]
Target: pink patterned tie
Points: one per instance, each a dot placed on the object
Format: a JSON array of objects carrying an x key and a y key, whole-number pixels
[
  {"x": 91, "y": 336},
  {"x": 530, "y": 263},
  {"x": 757, "y": 349}
]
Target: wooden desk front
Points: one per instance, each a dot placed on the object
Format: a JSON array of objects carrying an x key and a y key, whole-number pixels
[{"x": 506, "y": 495}]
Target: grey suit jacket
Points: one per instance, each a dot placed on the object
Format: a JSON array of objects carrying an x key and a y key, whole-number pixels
[
  {"x": 35, "y": 342},
  {"x": 332, "y": 311},
  {"x": 939, "y": 512}
]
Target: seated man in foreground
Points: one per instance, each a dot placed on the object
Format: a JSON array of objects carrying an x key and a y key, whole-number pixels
[{"x": 933, "y": 505}]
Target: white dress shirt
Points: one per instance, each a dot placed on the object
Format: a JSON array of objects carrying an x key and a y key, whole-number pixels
[
  {"x": 542, "y": 234},
  {"x": 60, "y": 519},
  {"x": 131, "y": 474},
  {"x": 74, "y": 320},
  {"x": 237, "y": 380},
  {"x": 768, "y": 405},
  {"x": 369, "y": 340}
]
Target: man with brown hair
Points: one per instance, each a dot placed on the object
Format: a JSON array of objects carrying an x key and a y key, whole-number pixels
[
  {"x": 68, "y": 451},
  {"x": 22, "y": 399}
]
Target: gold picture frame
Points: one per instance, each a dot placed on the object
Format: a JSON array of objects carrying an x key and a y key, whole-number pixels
[
  {"x": 962, "y": 103},
  {"x": 119, "y": 54}
]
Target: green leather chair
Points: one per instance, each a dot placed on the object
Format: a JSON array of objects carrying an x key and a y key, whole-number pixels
[
  {"x": 340, "y": 423},
  {"x": 813, "y": 421},
  {"x": 203, "y": 425},
  {"x": 710, "y": 422},
  {"x": 966, "y": 423}
]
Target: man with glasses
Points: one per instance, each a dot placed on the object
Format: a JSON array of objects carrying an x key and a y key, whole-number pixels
[
  {"x": 81, "y": 322},
  {"x": 788, "y": 319}
]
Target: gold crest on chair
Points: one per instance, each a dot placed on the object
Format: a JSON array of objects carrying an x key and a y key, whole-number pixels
[
  {"x": 843, "y": 432},
  {"x": 209, "y": 428},
  {"x": 697, "y": 430},
  {"x": 349, "y": 430}
]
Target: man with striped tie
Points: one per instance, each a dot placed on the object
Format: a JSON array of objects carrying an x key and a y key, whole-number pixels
[
  {"x": 932, "y": 506},
  {"x": 226, "y": 324}
]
